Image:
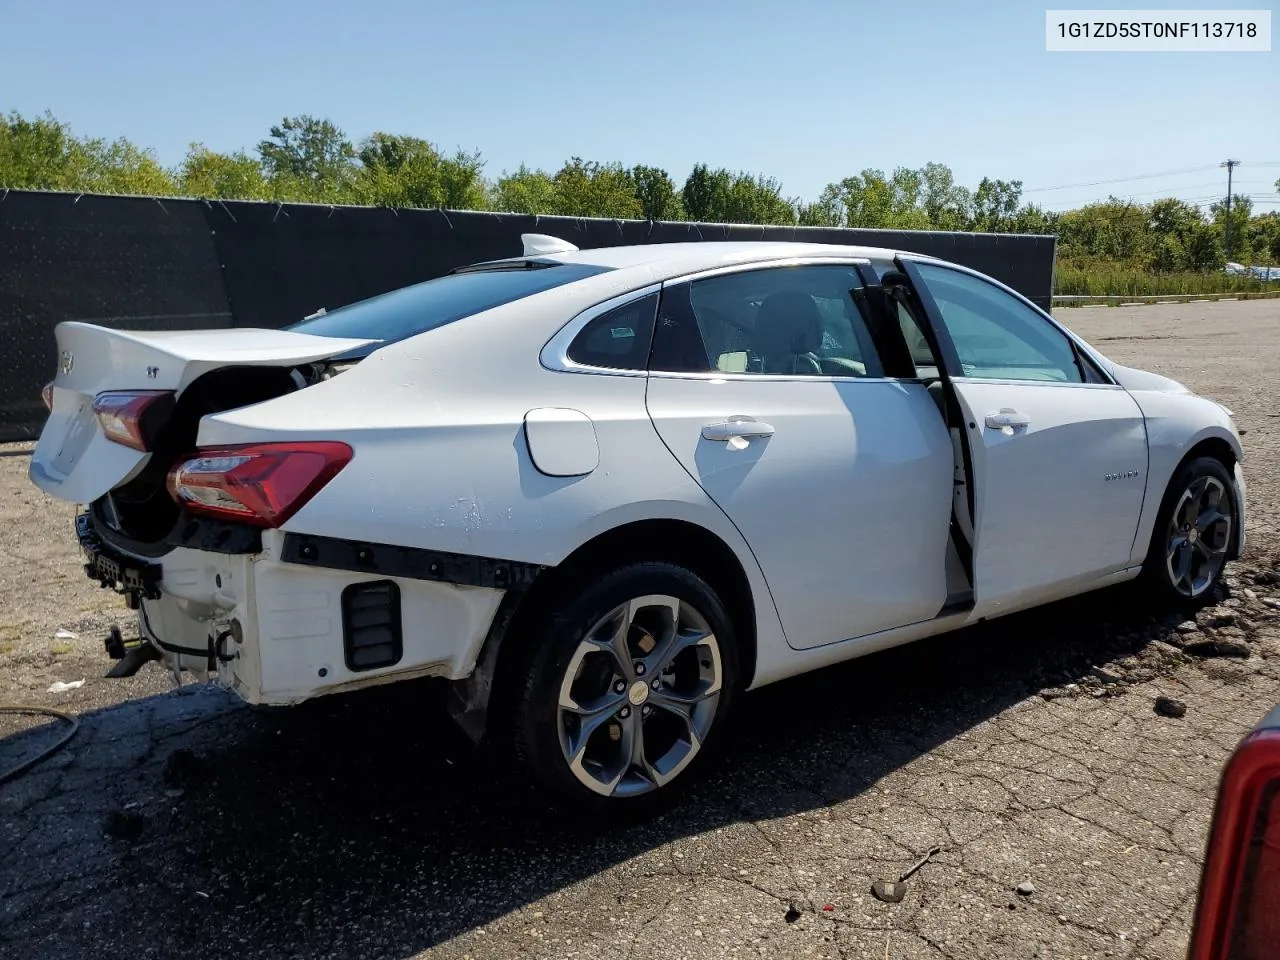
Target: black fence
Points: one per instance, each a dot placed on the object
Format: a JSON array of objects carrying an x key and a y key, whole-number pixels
[{"x": 148, "y": 264}]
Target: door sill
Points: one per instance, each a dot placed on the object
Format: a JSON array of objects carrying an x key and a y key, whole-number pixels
[{"x": 956, "y": 603}]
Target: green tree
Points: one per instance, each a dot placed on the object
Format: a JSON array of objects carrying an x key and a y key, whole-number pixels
[
  {"x": 873, "y": 200},
  {"x": 1241, "y": 209},
  {"x": 525, "y": 191},
  {"x": 591, "y": 189},
  {"x": 1030, "y": 218},
  {"x": 310, "y": 157},
  {"x": 700, "y": 190},
  {"x": 994, "y": 205},
  {"x": 945, "y": 204},
  {"x": 401, "y": 171},
  {"x": 656, "y": 192},
  {"x": 1113, "y": 229},
  {"x": 1264, "y": 237},
  {"x": 823, "y": 212},
  {"x": 1175, "y": 235},
  {"x": 118, "y": 166},
  {"x": 42, "y": 154},
  {"x": 36, "y": 154},
  {"x": 1204, "y": 249},
  {"x": 718, "y": 196},
  {"x": 228, "y": 176}
]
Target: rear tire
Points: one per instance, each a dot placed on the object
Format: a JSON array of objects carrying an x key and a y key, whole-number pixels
[
  {"x": 625, "y": 689},
  {"x": 1194, "y": 533}
]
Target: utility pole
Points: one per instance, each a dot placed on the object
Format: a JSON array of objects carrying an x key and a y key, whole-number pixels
[{"x": 1226, "y": 238}]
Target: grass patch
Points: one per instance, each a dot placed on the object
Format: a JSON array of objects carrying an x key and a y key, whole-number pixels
[
  {"x": 61, "y": 649},
  {"x": 1077, "y": 278}
]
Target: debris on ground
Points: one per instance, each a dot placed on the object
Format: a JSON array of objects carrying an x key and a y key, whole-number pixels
[
  {"x": 892, "y": 891},
  {"x": 792, "y": 914},
  {"x": 887, "y": 891},
  {"x": 62, "y": 686},
  {"x": 1169, "y": 707},
  {"x": 65, "y": 635},
  {"x": 1026, "y": 888},
  {"x": 1218, "y": 648}
]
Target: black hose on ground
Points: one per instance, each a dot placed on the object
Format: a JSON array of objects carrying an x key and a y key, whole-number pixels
[{"x": 26, "y": 765}]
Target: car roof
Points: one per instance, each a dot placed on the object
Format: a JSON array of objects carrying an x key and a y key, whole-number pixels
[{"x": 705, "y": 255}]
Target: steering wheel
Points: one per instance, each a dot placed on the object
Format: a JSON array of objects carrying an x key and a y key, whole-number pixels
[{"x": 809, "y": 360}]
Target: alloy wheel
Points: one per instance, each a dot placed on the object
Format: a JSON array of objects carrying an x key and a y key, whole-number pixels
[
  {"x": 1198, "y": 537},
  {"x": 638, "y": 696}
]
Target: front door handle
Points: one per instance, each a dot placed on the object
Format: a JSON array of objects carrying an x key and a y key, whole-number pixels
[
  {"x": 736, "y": 427},
  {"x": 1007, "y": 418}
]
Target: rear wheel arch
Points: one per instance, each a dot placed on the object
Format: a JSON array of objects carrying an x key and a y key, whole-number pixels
[{"x": 479, "y": 698}]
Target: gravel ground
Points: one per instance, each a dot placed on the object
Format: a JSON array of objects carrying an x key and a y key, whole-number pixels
[{"x": 1028, "y": 749}]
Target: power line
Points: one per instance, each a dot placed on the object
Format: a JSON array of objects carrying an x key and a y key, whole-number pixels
[
  {"x": 1190, "y": 186},
  {"x": 1201, "y": 202},
  {"x": 1140, "y": 176}
]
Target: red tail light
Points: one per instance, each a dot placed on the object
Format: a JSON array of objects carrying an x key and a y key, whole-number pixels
[
  {"x": 1238, "y": 916},
  {"x": 133, "y": 417},
  {"x": 261, "y": 484}
]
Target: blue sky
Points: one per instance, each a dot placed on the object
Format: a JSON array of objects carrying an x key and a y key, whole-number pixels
[{"x": 804, "y": 90}]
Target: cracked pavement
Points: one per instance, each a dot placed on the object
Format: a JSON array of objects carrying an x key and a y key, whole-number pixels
[{"x": 366, "y": 826}]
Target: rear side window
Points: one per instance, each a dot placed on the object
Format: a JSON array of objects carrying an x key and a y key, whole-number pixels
[
  {"x": 425, "y": 306},
  {"x": 619, "y": 338},
  {"x": 783, "y": 321}
]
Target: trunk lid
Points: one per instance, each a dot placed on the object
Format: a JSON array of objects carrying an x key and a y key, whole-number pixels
[{"x": 74, "y": 460}]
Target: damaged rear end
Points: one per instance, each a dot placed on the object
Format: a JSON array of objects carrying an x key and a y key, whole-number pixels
[{"x": 124, "y": 412}]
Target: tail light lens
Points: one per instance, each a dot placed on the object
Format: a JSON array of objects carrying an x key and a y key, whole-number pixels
[
  {"x": 133, "y": 417},
  {"x": 1238, "y": 917},
  {"x": 47, "y": 396},
  {"x": 259, "y": 484}
]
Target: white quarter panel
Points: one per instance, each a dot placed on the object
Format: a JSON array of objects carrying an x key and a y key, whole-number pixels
[
  {"x": 291, "y": 623},
  {"x": 437, "y": 424},
  {"x": 846, "y": 505},
  {"x": 1046, "y": 513}
]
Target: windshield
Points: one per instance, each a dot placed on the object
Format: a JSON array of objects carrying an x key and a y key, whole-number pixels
[{"x": 425, "y": 306}]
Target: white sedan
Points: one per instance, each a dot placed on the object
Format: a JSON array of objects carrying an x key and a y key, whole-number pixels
[{"x": 606, "y": 491}]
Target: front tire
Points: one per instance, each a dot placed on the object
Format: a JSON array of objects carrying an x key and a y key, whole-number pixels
[
  {"x": 1193, "y": 535},
  {"x": 627, "y": 687}
]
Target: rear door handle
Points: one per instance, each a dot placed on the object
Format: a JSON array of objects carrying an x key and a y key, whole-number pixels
[
  {"x": 1007, "y": 418},
  {"x": 744, "y": 427}
]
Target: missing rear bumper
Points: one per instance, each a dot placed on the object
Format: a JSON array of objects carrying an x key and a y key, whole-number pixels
[{"x": 112, "y": 569}]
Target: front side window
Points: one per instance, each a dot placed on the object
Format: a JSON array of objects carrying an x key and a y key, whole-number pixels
[
  {"x": 788, "y": 321},
  {"x": 996, "y": 335}
]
